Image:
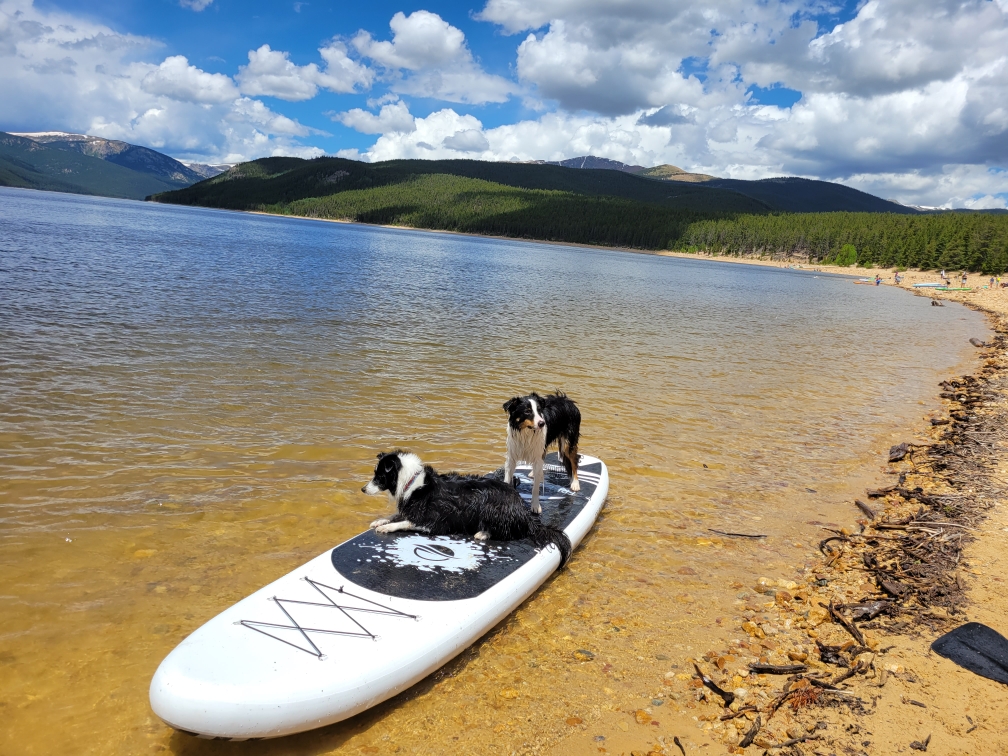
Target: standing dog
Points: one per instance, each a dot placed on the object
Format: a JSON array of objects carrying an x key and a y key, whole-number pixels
[
  {"x": 452, "y": 503},
  {"x": 534, "y": 423}
]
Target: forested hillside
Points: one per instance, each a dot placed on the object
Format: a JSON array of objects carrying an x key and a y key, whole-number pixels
[
  {"x": 270, "y": 181},
  {"x": 783, "y": 193},
  {"x": 604, "y": 207},
  {"x": 791, "y": 194},
  {"x": 974, "y": 241},
  {"x": 456, "y": 203}
]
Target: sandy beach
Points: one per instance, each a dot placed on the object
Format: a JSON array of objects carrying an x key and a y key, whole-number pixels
[{"x": 890, "y": 693}]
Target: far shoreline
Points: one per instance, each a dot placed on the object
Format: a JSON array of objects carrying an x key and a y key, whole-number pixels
[{"x": 991, "y": 302}]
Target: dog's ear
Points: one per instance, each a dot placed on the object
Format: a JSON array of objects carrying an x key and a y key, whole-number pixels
[{"x": 511, "y": 404}]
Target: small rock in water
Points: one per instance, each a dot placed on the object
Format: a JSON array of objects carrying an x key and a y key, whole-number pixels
[
  {"x": 574, "y": 721},
  {"x": 642, "y": 716},
  {"x": 583, "y": 655},
  {"x": 657, "y": 702}
]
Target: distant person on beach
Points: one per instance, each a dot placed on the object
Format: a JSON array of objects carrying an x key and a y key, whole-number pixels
[
  {"x": 991, "y": 286},
  {"x": 964, "y": 279},
  {"x": 943, "y": 276},
  {"x": 878, "y": 279},
  {"x": 897, "y": 278}
]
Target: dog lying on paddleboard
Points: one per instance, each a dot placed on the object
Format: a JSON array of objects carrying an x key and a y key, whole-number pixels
[{"x": 449, "y": 504}]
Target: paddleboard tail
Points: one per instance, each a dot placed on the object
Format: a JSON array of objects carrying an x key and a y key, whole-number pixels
[{"x": 543, "y": 535}]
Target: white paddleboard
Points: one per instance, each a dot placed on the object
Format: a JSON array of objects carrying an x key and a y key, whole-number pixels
[{"x": 361, "y": 622}]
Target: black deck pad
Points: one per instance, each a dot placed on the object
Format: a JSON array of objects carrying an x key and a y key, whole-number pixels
[
  {"x": 977, "y": 648},
  {"x": 450, "y": 568}
]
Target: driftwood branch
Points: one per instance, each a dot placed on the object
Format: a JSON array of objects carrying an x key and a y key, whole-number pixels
[
  {"x": 751, "y": 734},
  {"x": 726, "y": 696}
]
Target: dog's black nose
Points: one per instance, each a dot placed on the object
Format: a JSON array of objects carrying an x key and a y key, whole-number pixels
[
  {"x": 363, "y": 489},
  {"x": 542, "y": 424}
]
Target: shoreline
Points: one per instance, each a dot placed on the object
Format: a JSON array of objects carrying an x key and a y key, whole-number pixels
[{"x": 910, "y": 276}]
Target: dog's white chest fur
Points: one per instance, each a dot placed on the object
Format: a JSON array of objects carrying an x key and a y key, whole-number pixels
[{"x": 526, "y": 445}]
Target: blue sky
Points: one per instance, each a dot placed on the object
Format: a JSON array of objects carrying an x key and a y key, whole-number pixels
[{"x": 905, "y": 100}]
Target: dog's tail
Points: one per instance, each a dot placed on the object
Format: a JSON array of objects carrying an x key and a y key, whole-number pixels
[{"x": 544, "y": 535}]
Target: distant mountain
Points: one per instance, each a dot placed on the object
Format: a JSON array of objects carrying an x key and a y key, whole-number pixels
[
  {"x": 593, "y": 163},
  {"x": 798, "y": 195},
  {"x": 208, "y": 171},
  {"x": 787, "y": 194},
  {"x": 131, "y": 156},
  {"x": 674, "y": 173},
  {"x": 84, "y": 164},
  {"x": 269, "y": 181}
]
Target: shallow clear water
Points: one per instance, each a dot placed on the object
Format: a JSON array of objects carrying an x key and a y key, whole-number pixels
[{"x": 190, "y": 401}]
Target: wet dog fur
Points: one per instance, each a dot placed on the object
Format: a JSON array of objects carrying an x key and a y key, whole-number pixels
[
  {"x": 451, "y": 504},
  {"x": 534, "y": 424}
]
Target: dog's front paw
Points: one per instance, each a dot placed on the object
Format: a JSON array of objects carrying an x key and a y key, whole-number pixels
[
  {"x": 387, "y": 527},
  {"x": 575, "y": 486},
  {"x": 483, "y": 535},
  {"x": 536, "y": 508},
  {"x": 378, "y": 523}
]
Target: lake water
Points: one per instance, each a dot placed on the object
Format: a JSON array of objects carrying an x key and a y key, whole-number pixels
[{"x": 190, "y": 401}]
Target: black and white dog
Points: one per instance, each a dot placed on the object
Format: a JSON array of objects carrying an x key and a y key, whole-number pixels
[
  {"x": 452, "y": 503},
  {"x": 534, "y": 423}
]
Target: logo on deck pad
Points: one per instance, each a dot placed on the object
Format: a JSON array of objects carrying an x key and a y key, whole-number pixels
[
  {"x": 439, "y": 553},
  {"x": 433, "y": 552}
]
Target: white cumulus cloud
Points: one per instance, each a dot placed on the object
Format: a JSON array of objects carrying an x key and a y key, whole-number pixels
[
  {"x": 427, "y": 140},
  {"x": 428, "y": 57},
  {"x": 467, "y": 140},
  {"x": 175, "y": 77},
  {"x": 420, "y": 40},
  {"x": 271, "y": 72},
  {"x": 392, "y": 117}
]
